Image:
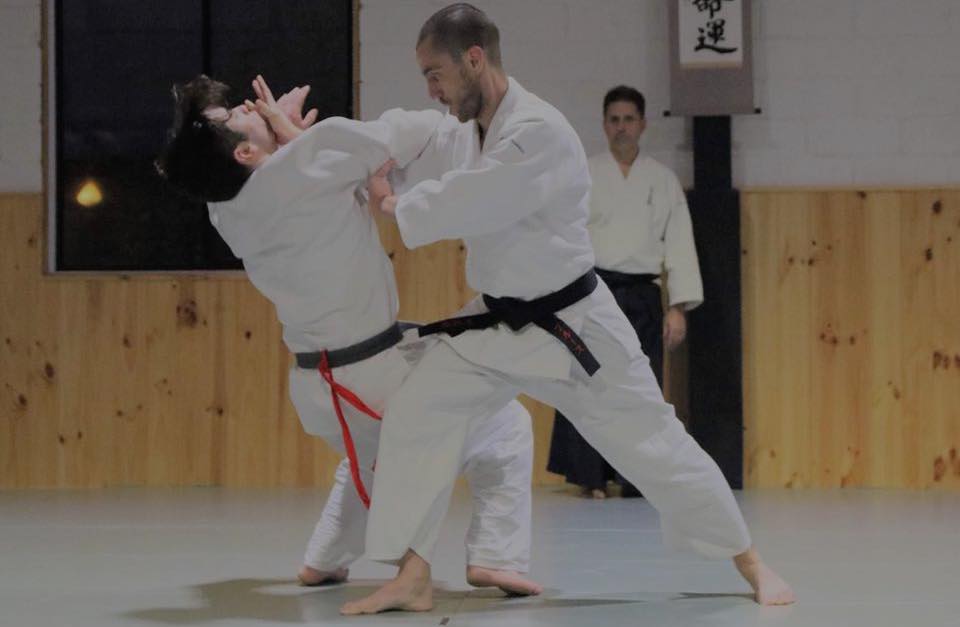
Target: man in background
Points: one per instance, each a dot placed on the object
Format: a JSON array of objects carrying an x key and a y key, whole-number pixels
[{"x": 640, "y": 228}]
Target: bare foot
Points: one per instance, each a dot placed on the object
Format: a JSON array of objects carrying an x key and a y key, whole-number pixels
[
  {"x": 313, "y": 577},
  {"x": 510, "y": 582},
  {"x": 768, "y": 587},
  {"x": 593, "y": 493},
  {"x": 410, "y": 591}
]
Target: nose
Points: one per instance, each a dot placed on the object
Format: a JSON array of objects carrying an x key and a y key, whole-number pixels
[{"x": 434, "y": 92}]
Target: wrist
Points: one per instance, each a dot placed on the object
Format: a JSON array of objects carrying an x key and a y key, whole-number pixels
[{"x": 389, "y": 205}]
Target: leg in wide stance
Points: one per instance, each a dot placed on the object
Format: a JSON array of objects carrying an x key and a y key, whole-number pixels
[{"x": 630, "y": 423}]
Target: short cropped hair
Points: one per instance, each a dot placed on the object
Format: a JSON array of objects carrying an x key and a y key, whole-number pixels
[
  {"x": 198, "y": 157},
  {"x": 623, "y": 93},
  {"x": 457, "y": 28}
]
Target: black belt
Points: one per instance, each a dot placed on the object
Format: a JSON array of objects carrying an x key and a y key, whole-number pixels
[
  {"x": 356, "y": 352},
  {"x": 623, "y": 279},
  {"x": 517, "y": 313}
]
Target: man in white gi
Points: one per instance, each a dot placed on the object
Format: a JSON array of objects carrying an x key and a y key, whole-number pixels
[
  {"x": 544, "y": 325},
  {"x": 640, "y": 227},
  {"x": 639, "y": 221},
  {"x": 285, "y": 200}
]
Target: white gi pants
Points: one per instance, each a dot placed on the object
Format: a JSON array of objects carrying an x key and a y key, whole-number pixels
[
  {"x": 620, "y": 411},
  {"x": 495, "y": 455}
]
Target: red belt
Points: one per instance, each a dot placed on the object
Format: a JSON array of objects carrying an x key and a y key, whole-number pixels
[
  {"x": 325, "y": 361},
  {"x": 336, "y": 392}
]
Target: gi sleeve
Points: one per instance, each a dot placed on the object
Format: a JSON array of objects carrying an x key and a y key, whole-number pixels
[
  {"x": 514, "y": 179},
  {"x": 434, "y": 160},
  {"x": 397, "y": 134},
  {"x": 680, "y": 258}
]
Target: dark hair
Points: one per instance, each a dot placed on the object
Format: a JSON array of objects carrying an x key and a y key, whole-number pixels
[
  {"x": 198, "y": 157},
  {"x": 622, "y": 93},
  {"x": 457, "y": 28}
]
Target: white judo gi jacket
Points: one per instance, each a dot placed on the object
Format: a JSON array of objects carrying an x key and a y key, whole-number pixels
[
  {"x": 310, "y": 245},
  {"x": 640, "y": 224},
  {"x": 514, "y": 247}
]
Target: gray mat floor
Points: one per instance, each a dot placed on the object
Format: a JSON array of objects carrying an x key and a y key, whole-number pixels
[{"x": 211, "y": 556}]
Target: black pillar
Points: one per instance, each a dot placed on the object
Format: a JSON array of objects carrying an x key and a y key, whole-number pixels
[
  {"x": 712, "y": 153},
  {"x": 714, "y": 333}
]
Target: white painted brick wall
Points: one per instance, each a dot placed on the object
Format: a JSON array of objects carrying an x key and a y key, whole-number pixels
[
  {"x": 854, "y": 92},
  {"x": 567, "y": 51},
  {"x": 897, "y": 18},
  {"x": 802, "y": 19},
  {"x": 934, "y": 135},
  {"x": 20, "y": 113},
  {"x": 871, "y": 86}
]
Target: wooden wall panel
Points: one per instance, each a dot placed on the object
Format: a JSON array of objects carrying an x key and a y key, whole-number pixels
[
  {"x": 115, "y": 380},
  {"x": 852, "y": 338},
  {"x": 176, "y": 380},
  {"x": 851, "y": 356}
]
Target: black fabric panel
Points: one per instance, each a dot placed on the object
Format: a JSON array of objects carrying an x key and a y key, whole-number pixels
[{"x": 714, "y": 332}]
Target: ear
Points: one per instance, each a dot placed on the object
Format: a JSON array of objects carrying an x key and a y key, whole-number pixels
[
  {"x": 246, "y": 153},
  {"x": 475, "y": 57},
  {"x": 643, "y": 125}
]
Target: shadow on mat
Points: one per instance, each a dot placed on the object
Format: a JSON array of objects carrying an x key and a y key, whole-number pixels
[
  {"x": 713, "y": 595},
  {"x": 269, "y": 600},
  {"x": 492, "y": 600},
  {"x": 234, "y": 598},
  {"x": 285, "y": 601},
  {"x": 488, "y": 600}
]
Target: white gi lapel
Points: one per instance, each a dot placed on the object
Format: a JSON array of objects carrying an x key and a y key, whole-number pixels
[{"x": 507, "y": 106}]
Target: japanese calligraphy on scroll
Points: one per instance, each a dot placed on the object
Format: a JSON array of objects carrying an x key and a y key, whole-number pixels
[
  {"x": 711, "y": 33},
  {"x": 711, "y": 57}
]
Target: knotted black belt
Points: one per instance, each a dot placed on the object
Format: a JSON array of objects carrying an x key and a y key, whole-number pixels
[
  {"x": 616, "y": 279},
  {"x": 355, "y": 352},
  {"x": 517, "y": 313}
]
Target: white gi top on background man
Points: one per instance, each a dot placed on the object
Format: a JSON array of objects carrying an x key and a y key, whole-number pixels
[
  {"x": 640, "y": 228},
  {"x": 640, "y": 224}
]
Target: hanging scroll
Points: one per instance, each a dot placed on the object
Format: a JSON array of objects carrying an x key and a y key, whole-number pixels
[{"x": 711, "y": 69}]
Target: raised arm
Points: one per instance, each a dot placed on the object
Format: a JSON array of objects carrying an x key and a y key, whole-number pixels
[{"x": 517, "y": 177}]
